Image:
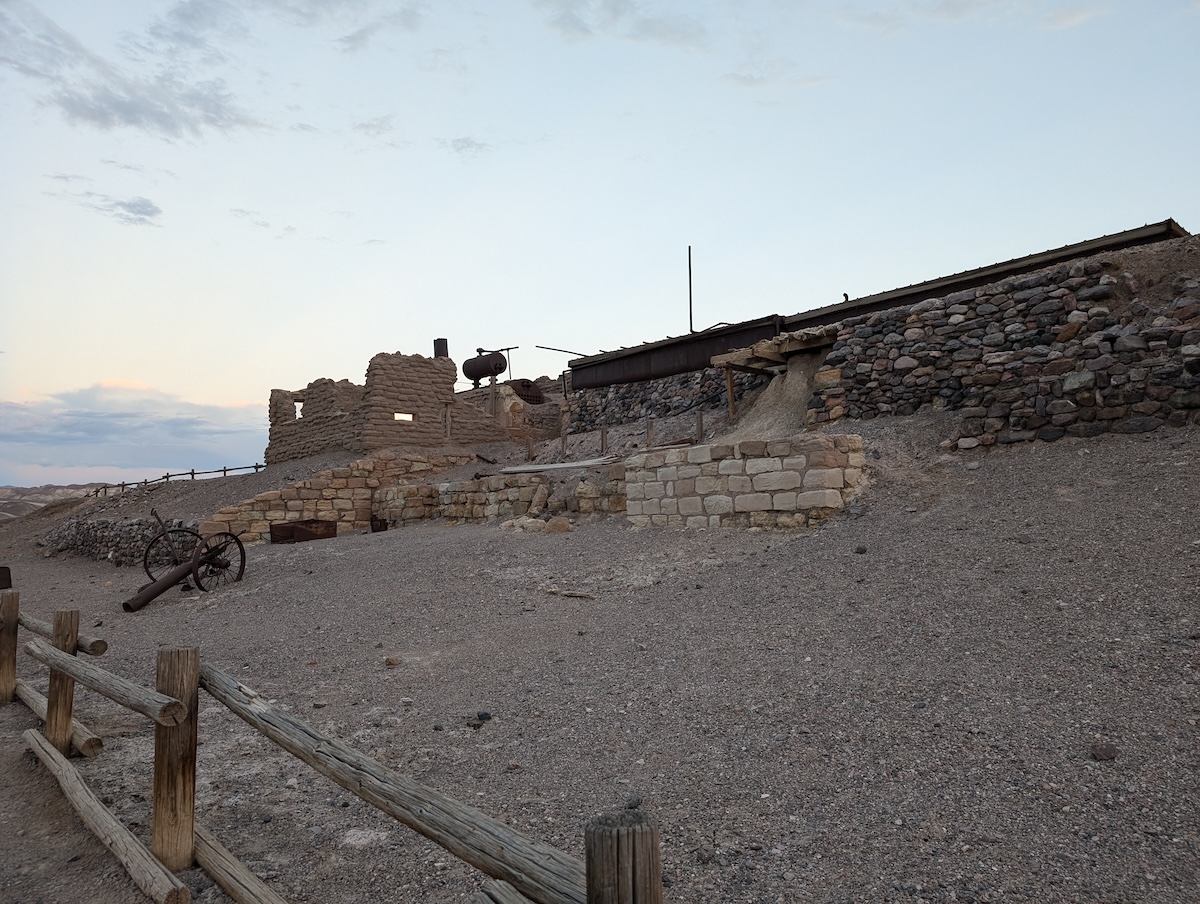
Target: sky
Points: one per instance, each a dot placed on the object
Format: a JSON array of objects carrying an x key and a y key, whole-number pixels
[{"x": 204, "y": 200}]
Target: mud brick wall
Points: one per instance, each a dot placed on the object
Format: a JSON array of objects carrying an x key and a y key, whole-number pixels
[
  {"x": 342, "y": 495},
  {"x": 521, "y": 420},
  {"x": 785, "y": 483},
  {"x": 1065, "y": 351},
  {"x": 344, "y": 416},
  {"x": 504, "y": 496}
]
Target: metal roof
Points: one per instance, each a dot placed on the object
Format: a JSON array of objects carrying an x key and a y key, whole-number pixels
[{"x": 693, "y": 351}]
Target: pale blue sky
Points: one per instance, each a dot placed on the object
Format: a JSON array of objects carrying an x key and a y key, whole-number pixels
[{"x": 211, "y": 198}]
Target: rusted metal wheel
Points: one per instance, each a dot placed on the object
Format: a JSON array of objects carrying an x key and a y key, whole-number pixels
[
  {"x": 219, "y": 560},
  {"x": 168, "y": 549}
]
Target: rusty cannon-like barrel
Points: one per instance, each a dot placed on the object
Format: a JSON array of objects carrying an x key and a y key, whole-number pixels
[{"x": 158, "y": 588}]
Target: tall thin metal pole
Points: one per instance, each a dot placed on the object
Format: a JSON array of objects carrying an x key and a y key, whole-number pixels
[{"x": 691, "y": 326}]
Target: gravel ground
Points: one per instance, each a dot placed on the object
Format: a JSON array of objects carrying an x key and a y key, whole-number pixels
[{"x": 908, "y": 704}]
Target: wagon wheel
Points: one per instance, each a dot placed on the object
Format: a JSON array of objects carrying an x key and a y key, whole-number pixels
[
  {"x": 219, "y": 560},
  {"x": 169, "y": 549}
]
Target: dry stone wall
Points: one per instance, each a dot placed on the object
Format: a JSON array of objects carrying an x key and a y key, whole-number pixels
[
  {"x": 1065, "y": 351},
  {"x": 504, "y": 496},
  {"x": 781, "y": 483},
  {"x": 623, "y": 403},
  {"x": 121, "y": 541},
  {"x": 342, "y": 495}
]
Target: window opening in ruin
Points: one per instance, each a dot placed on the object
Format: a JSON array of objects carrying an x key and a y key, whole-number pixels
[
  {"x": 299, "y": 410},
  {"x": 402, "y": 416}
]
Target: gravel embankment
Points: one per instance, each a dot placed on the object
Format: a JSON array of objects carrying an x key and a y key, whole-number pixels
[{"x": 908, "y": 704}]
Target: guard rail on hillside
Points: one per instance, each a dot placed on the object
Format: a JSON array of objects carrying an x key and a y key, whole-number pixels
[
  {"x": 166, "y": 478},
  {"x": 623, "y": 863}
]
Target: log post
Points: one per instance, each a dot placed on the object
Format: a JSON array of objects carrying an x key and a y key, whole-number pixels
[
  {"x": 60, "y": 700},
  {"x": 603, "y": 439},
  {"x": 729, "y": 391},
  {"x": 699, "y": 427},
  {"x": 624, "y": 863},
  {"x": 173, "y": 822},
  {"x": 10, "y": 613}
]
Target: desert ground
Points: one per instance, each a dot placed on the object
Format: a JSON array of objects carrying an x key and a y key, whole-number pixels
[{"x": 917, "y": 701}]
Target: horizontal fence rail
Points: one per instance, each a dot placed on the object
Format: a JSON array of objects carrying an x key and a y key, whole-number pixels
[
  {"x": 166, "y": 478},
  {"x": 623, "y": 863}
]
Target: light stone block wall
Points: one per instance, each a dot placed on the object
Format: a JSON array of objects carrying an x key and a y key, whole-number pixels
[
  {"x": 343, "y": 495},
  {"x": 783, "y": 483}
]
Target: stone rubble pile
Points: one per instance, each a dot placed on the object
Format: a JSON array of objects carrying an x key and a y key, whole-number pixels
[{"x": 121, "y": 541}]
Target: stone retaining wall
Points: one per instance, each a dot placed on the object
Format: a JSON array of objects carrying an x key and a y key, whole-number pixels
[
  {"x": 504, "y": 496},
  {"x": 785, "y": 483},
  {"x": 1068, "y": 350},
  {"x": 623, "y": 403},
  {"x": 343, "y": 495}
]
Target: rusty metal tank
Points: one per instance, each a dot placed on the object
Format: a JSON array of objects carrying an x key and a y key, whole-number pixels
[
  {"x": 491, "y": 364},
  {"x": 527, "y": 391}
]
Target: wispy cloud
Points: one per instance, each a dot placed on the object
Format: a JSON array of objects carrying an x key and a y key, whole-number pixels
[
  {"x": 89, "y": 90},
  {"x": 253, "y": 216},
  {"x": 130, "y": 211},
  {"x": 1071, "y": 18},
  {"x": 124, "y": 428},
  {"x": 625, "y": 19},
  {"x": 891, "y": 16},
  {"x": 381, "y": 125},
  {"x": 465, "y": 147},
  {"x": 68, "y": 177},
  {"x": 408, "y": 18}
]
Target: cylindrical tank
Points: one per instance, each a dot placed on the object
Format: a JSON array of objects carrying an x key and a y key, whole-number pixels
[{"x": 480, "y": 368}]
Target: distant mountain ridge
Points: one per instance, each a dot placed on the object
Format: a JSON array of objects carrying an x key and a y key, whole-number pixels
[{"x": 17, "y": 501}]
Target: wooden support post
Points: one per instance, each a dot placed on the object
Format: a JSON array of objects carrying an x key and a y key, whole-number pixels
[
  {"x": 84, "y": 739},
  {"x": 729, "y": 391},
  {"x": 10, "y": 614},
  {"x": 529, "y": 449},
  {"x": 564, "y": 427},
  {"x": 60, "y": 700},
  {"x": 603, "y": 439},
  {"x": 624, "y": 863},
  {"x": 649, "y": 432},
  {"x": 173, "y": 831},
  {"x": 147, "y": 872},
  {"x": 699, "y": 427}
]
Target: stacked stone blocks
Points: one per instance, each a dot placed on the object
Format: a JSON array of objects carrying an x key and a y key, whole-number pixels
[{"x": 780, "y": 483}]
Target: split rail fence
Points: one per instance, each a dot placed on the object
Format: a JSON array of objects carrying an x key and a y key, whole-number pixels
[
  {"x": 623, "y": 860},
  {"x": 166, "y": 478}
]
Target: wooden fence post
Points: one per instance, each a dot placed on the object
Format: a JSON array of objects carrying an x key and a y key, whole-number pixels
[
  {"x": 173, "y": 822},
  {"x": 624, "y": 863},
  {"x": 649, "y": 432},
  {"x": 10, "y": 613},
  {"x": 699, "y": 427},
  {"x": 60, "y": 700},
  {"x": 729, "y": 392},
  {"x": 603, "y": 439}
]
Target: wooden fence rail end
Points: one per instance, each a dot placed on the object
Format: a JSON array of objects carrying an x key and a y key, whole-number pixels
[
  {"x": 85, "y": 643},
  {"x": 83, "y": 738},
  {"x": 150, "y": 875},
  {"x": 230, "y": 873},
  {"x": 162, "y": 709},
  {"x": 543, "y": 873}
]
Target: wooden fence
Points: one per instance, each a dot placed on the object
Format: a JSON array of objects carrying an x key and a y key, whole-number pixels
[
  {"x": 623, "y": 861},
  {"x": 166, "y": 478}
]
